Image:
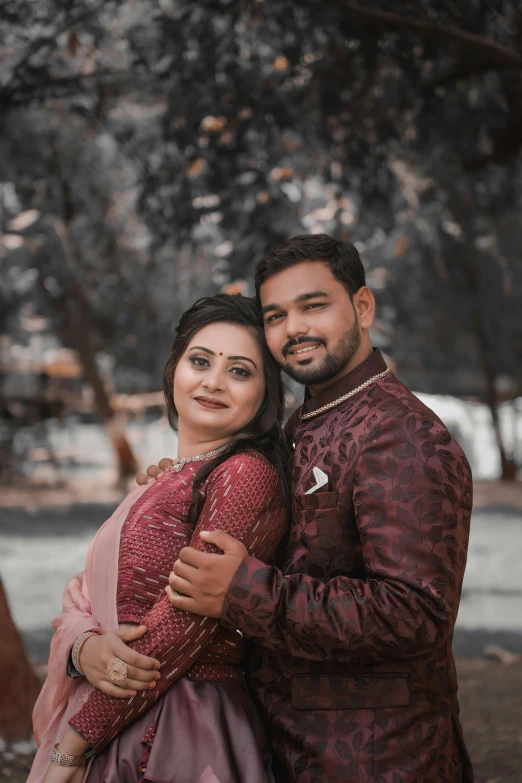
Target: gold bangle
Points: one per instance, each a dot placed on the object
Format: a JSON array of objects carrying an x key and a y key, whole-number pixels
[
  {"x": 65, "y": 759},
  {"x": 77, "y": 646}
]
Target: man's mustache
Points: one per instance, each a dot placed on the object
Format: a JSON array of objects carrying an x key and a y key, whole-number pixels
[{"x": 301, "y": 341}]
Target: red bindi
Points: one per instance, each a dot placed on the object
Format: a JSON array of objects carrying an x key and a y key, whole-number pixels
[{"x": 221, "y": 353}]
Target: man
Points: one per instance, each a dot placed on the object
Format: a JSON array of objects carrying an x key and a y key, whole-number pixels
[{"x": 354, "y": 667}]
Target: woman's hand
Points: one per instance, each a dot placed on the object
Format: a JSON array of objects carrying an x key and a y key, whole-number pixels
[
  {"x": 57, "y": 774},
  {"x": 98, "y": 650},
  {"x": 74, "y": 745},
  {"x": 155, "y": 471}
]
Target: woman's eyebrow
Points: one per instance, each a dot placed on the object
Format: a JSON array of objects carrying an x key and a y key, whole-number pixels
[
  {"x": 202, "y": 348},
  {"x": 245, "y": 358}
]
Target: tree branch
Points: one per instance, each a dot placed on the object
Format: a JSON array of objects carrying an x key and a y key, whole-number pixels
[
  {"x": 453, "y": 11},
  {"x": 44, "y": 41},
  {"x": 16, "y": 95},
  {"x": 123, "y": 82},
  {"x": 488, "y": 49},
  {"x": 461, "y": 71},
  {"x": 413, "y": 6}
]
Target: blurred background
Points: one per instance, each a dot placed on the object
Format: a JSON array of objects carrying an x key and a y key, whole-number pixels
[{"x": 150, "y": 151}]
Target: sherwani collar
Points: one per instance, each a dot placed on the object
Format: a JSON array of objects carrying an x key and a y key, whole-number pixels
[{"x": 371, "y": 366}]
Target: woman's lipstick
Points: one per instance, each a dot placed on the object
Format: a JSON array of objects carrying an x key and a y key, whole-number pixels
[{"x": 211, "y": 403}]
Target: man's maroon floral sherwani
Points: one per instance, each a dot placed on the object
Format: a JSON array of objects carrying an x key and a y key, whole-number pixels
[{"x": 355, "y": 669}]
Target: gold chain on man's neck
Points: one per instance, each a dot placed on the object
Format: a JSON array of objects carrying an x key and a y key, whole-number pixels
[{"x": 327, "y": 407}]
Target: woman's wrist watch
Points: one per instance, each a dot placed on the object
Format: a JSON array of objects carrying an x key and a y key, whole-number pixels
[{"x": 65, "y": 759}]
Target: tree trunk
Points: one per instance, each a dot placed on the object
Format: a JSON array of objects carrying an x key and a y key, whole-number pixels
[
  {"x": 78, "y": 328},
  {"x": 19, "y": 686},
  {"x": 508, "y": 467}
]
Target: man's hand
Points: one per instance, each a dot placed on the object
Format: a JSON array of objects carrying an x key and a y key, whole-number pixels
[
  {"x": 155, "y": 471},
  {"x": 203, "y": 578},
  {"x": 98, "y": 650}
]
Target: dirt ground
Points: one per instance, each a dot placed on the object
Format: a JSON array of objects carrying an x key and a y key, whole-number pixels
[
  {"x": 490, "y": 695},
  {"x": 491, "y": 701}
]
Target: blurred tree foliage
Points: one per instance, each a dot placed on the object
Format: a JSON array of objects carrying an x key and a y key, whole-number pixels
[{"x": 152, "y": 150}]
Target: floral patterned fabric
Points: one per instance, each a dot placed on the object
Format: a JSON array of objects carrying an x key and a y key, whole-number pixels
[{"x": 354, "y": 667}]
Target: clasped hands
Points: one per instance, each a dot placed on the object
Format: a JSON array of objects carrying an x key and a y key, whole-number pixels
[{"x": 97, "y": 651}]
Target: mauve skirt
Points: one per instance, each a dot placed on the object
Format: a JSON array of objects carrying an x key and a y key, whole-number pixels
[{"x": 197, "y": 732}]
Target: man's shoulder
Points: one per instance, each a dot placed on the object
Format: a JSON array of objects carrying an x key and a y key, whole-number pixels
[
  {"x": 391, "y": 397},
  {"x": 394, "y": 404}
]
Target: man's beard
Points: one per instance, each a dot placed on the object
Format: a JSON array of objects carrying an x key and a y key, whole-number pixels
[{"x": 333, "y": 362}]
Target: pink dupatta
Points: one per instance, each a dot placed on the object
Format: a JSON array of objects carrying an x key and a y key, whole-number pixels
[{"x": 89, "y": 604}]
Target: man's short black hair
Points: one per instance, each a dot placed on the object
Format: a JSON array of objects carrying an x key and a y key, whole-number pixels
[{"x": 342, "y": 258}]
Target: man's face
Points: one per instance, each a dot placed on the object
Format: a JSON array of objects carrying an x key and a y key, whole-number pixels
[{"x": 311, "y": 325}]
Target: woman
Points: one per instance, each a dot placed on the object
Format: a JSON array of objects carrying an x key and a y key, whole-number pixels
[{"x": 196, "y": 723}]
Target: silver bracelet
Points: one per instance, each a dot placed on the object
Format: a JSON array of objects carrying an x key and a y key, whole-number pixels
[
  {"x": 77, "y": 646},
  {"x": 65, "y": 759}
]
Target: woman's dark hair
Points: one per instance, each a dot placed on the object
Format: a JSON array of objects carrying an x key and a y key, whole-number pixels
[
  {"x": 264, "y": 432},
  {"x": 343, "y": 259}
]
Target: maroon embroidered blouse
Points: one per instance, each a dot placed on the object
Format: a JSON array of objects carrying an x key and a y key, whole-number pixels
[{"x": 242, "y": 497}]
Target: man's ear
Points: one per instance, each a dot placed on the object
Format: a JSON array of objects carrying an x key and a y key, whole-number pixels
[{"x": 364, "y": 305}]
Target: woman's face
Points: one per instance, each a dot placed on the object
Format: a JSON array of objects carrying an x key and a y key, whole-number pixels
[{"x": 219, "y": 382}]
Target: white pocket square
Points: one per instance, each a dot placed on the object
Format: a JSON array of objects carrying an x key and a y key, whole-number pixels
[{"x": 321, "y": 479}]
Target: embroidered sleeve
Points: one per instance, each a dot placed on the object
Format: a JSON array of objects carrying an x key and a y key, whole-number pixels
[
  {"x": 243, "y": 498},
  {"x": 412, "y": 499}
]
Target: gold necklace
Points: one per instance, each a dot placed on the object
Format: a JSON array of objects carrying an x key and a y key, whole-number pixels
[
  {"x": 327, "y": 407},
  {"x": 179, "y": 464}
]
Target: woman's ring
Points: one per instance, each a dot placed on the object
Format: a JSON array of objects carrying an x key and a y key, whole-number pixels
[{"x": 117, "y": 670}]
